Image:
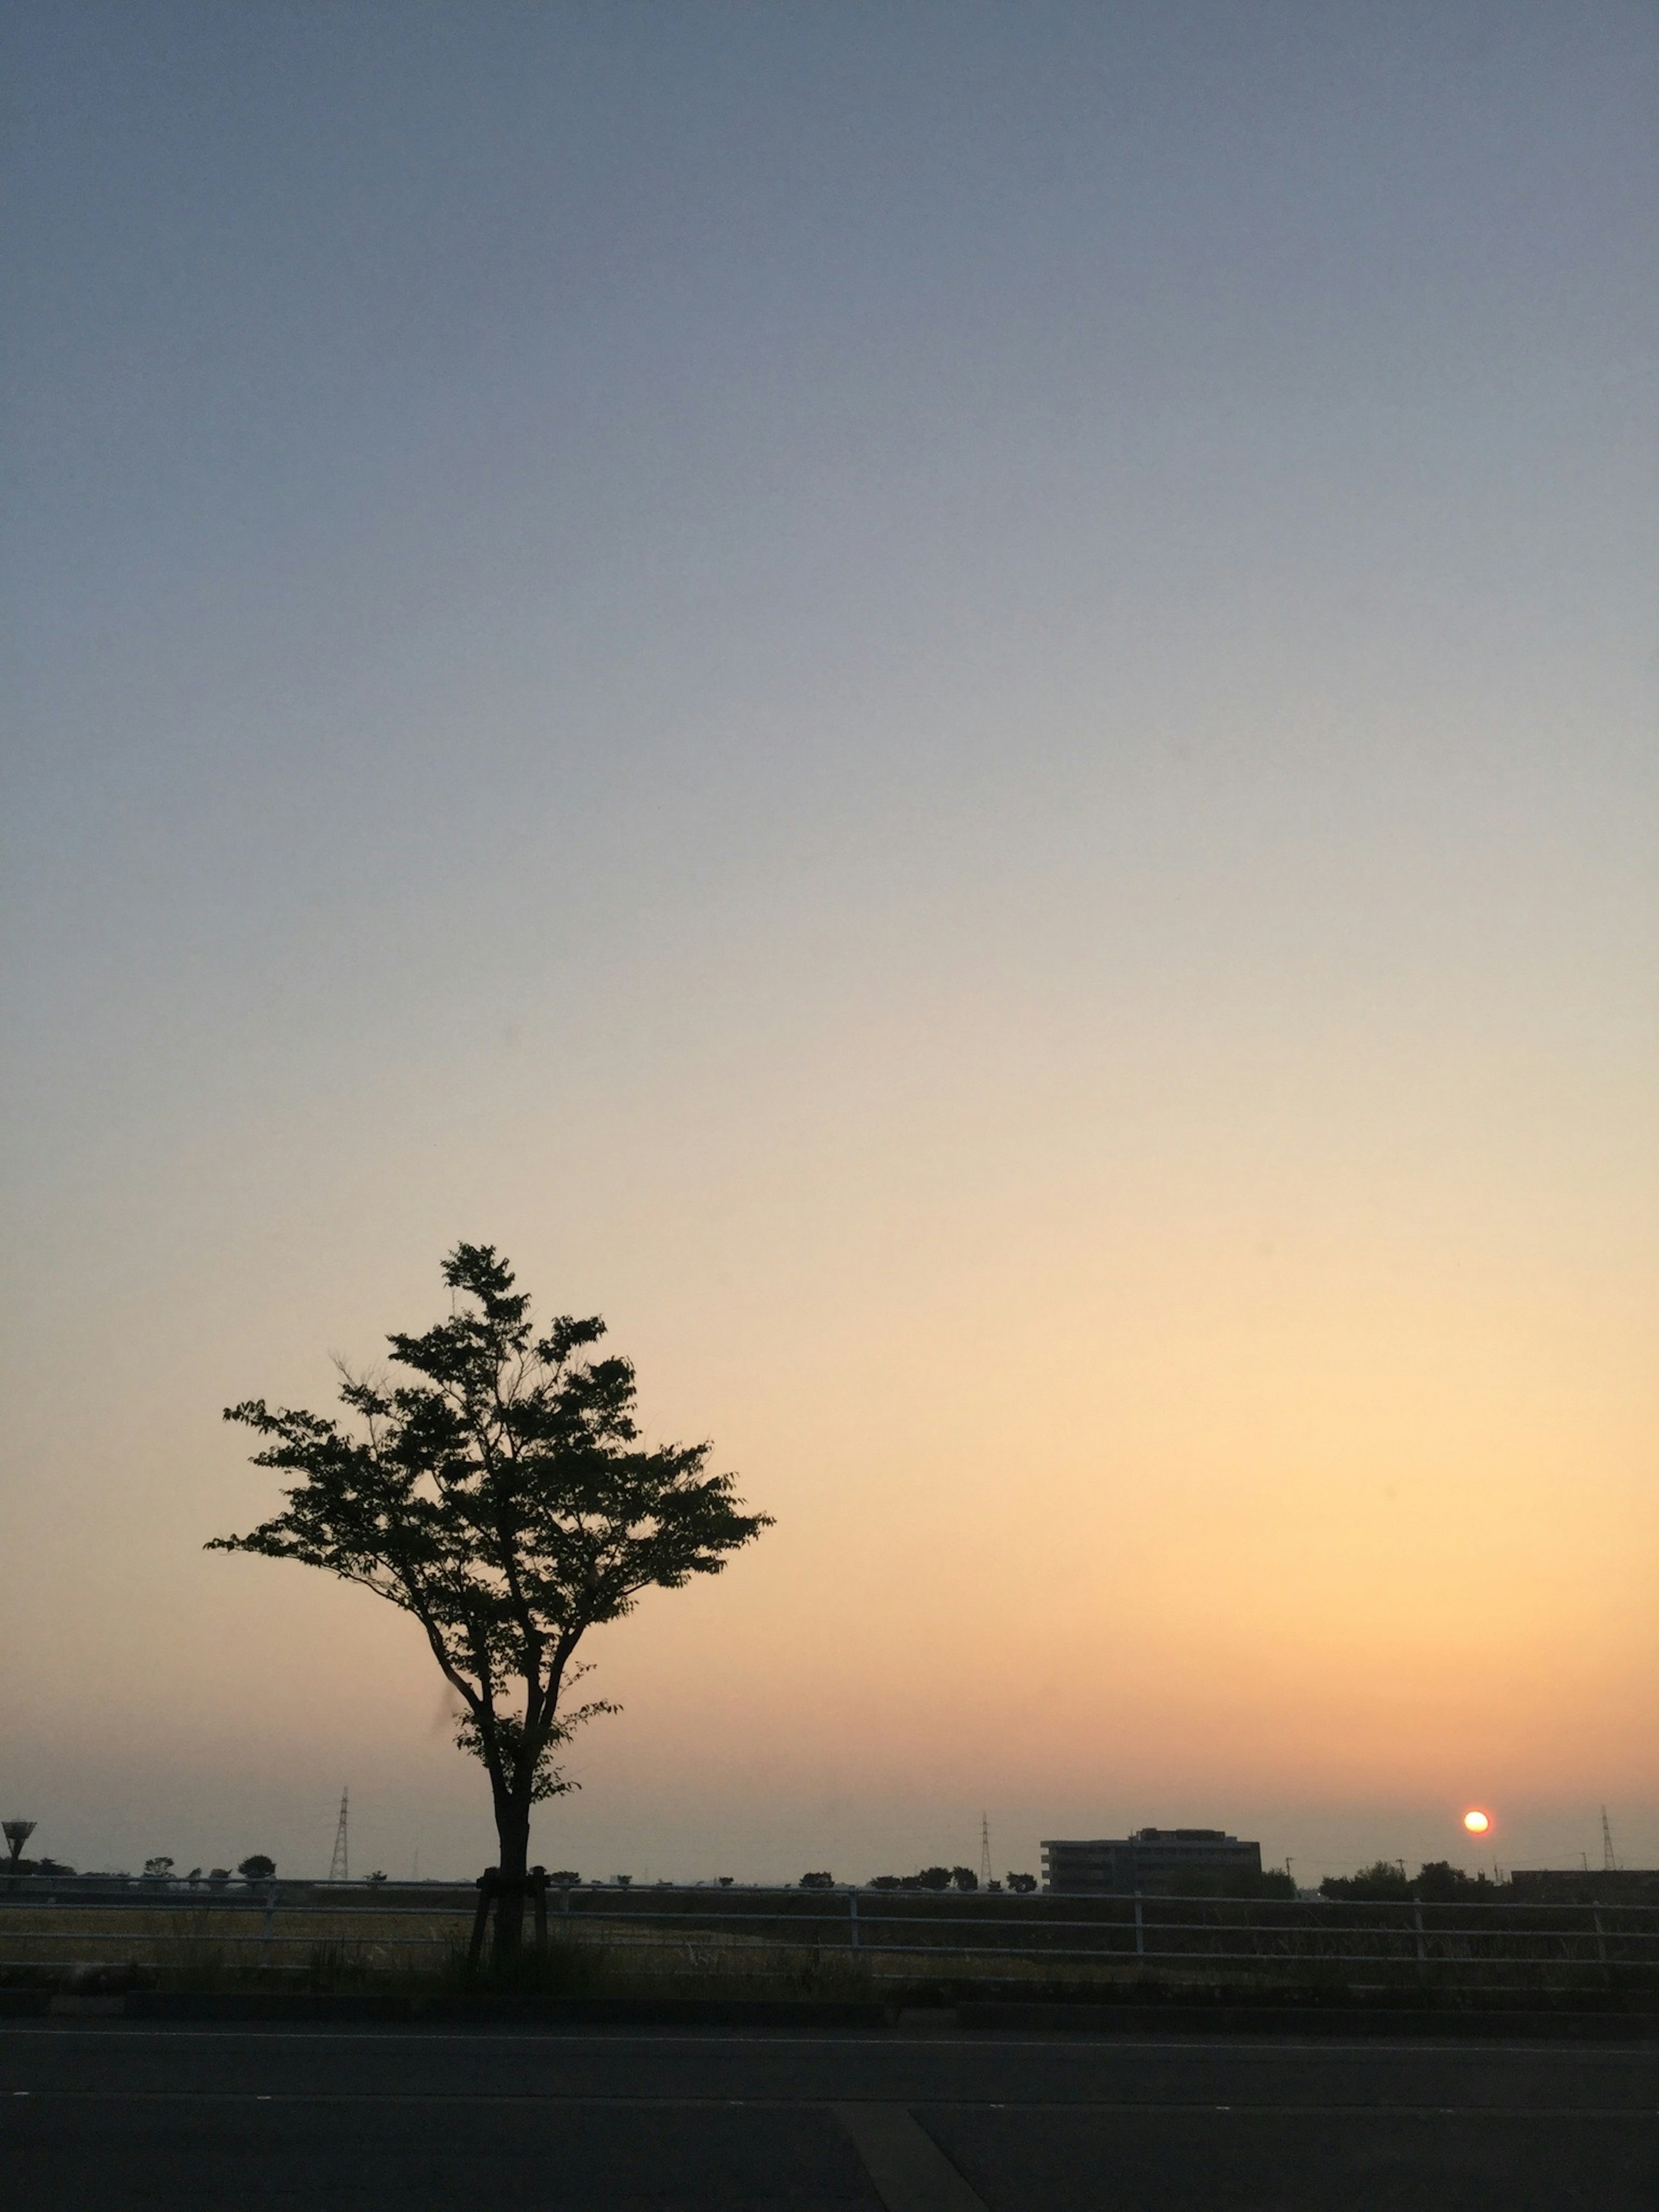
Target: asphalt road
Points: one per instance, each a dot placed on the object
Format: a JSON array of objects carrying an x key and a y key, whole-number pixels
[{"x": 116, "y": 2115}]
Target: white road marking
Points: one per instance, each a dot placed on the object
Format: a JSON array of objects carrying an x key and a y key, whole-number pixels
[{"x": 910, "y": 2171}]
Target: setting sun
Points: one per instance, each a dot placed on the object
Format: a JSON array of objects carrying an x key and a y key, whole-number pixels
[{"x": 1476, "y": 1823}]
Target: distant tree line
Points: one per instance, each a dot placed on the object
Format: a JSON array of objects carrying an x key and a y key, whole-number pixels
[
  {"x": 259, "y": 1866},
  {"x": 1271, "y": 1882},
  {"x": 933, "y": 1877},
  {"x": 160, "y": 1869},
  {"x": 1436, "y": 1882}
]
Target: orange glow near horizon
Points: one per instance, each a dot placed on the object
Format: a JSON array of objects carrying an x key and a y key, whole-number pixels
[{"x": 1476, "y": 1823}]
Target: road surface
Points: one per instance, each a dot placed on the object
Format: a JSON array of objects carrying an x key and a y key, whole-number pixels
[{"x": 113, "y": 2115}]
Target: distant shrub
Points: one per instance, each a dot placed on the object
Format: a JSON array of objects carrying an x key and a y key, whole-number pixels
[
  {"x": 1195, "y": 1882},
  {"x": 1439, "y": 1882},
  {"x": 1383, "y": 1882}
]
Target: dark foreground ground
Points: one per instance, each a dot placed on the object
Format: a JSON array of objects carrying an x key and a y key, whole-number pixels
[{"x": 113, "y": 2115}]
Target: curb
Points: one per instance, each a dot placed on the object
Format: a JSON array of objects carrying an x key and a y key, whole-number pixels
[
  {"x": 1534, "y": 2025},
  {"x": 584, "y": 2011},
  {"x": 362, "y": 2008}
]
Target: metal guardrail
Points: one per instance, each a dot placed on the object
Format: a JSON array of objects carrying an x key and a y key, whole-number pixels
[{"x": 1141, "y": 1933}]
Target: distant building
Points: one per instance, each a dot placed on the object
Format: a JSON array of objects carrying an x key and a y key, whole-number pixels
[{"x": 1150, "y": 1859}]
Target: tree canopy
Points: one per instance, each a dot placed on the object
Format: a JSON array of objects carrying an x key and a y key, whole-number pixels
[{"x": 503, "y": 1496}]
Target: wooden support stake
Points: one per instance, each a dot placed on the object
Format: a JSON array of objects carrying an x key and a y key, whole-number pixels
[{"x": 486, "y": 1885}]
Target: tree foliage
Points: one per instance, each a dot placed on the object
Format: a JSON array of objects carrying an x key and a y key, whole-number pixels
[
  {"x": 1382, "y": 1882},
  {"x": 500, "y": 1493},
  {"x": 1436, "y": 1882},
  {"x": 1439, "y": 1882}
]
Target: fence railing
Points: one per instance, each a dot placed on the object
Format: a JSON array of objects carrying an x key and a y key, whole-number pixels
[{"x": 992, "y": 1937}]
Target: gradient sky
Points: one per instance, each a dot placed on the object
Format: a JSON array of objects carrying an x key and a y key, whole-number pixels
[{"x": 955, "y": 705}]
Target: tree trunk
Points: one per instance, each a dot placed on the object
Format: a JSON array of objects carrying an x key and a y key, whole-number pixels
[{"x": 513, "y": 1829}]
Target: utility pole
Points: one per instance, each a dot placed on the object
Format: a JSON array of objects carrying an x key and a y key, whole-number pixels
[{"x": 339, "y": 1866}]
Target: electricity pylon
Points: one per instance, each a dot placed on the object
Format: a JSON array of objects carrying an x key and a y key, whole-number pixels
[
  {"x": 984, "y": 1851},
  {"x": 1609, "y": 1864},
  {"x": 339, "y": 1866}
]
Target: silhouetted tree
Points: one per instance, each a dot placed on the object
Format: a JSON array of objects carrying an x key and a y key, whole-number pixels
[
  {"x": 257, "y": 1868},
  {"x": 1381, "y": 1883},
  {"x": 504, "y": 1500},
  {"x": 1439, "y": 1882},
  {"x": 817, "y": 1882},
  {"x": 158, "y": 1869},
  {"x": 934, "y": 1878},
  {"x": 964, "y": 1878},
  {"x": 883, "y": 1881},
  {"x": 1021, "y": 1884}
]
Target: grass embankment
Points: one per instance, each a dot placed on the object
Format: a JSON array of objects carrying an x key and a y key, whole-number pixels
[
  {"x": 230, "y": 1949},
  {"x": 409, "y": 1952}
]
